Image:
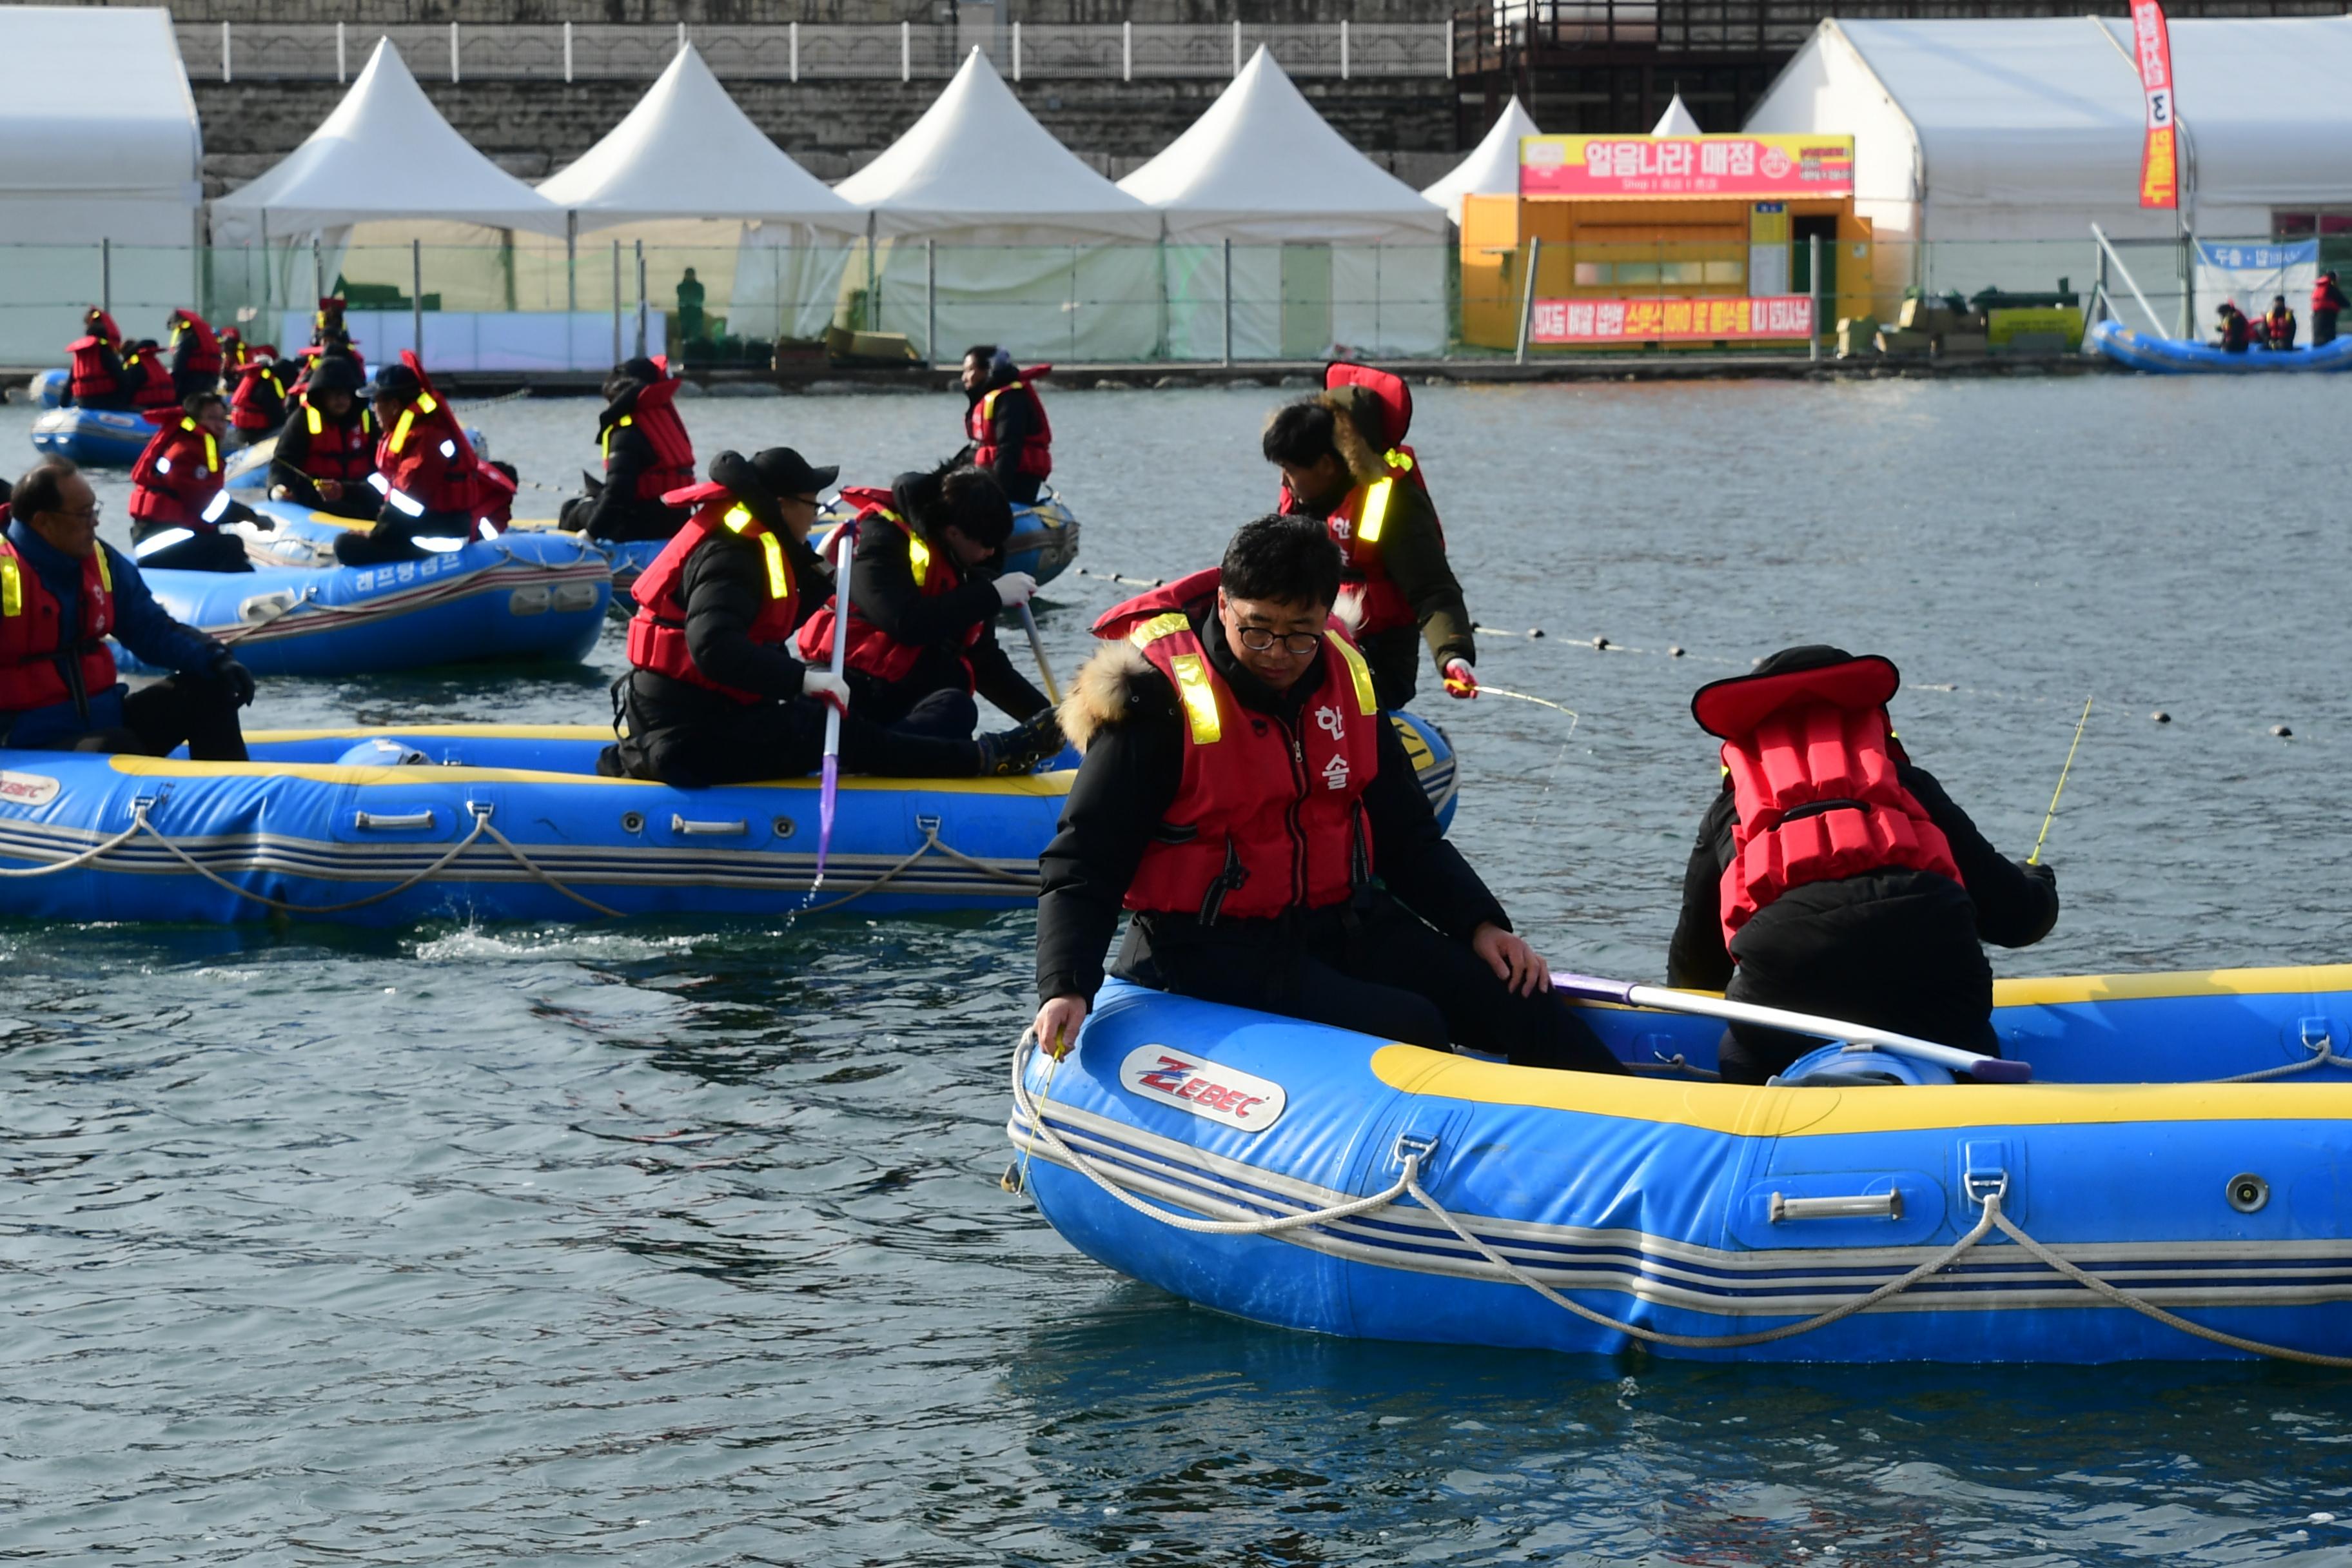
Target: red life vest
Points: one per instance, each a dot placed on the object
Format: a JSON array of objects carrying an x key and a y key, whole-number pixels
[
  {"x": 260, "y": 401},
  {"x": 2280, "y": 325},
  {"x": 1810, "y": 758},
  {"x": 150, "y": 379},
  {"x": 1265, "y": 819},
  {"x": 657, "y": 631},
  {"x": 1036, "y": 460},
  {"x": 872, "y": 649},
  {"x": 179, "y": 474},
  {"x": 2325, "y": 296},
  {"x": 91, "y": 377},
  {"x": 205, "y": 354},
  {"x": 424, "y": 457},
  {"x": 340, "y": 450},
  {"x": 654, "y": 417},
  {"x": 235, "y": 355},
  {"x": 1355, "y": 525},
  {"x": 29, "y": 673}
]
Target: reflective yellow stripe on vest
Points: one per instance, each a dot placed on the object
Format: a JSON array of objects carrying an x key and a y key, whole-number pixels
[
  {"x": 623, "y": 423},
  {"x": 1376, "y": 510},
  {"x": 1358, "y": 671},
  {"x": 400, "y": 431},
  {"x": 780, "y": 576},
  {"x": 310, "y": 418},
  {"x": 1192, "y": 683},
  {"x": 424, "y": 404},
  {"x": 988, "y": 403},
  {"x": 919, "y": 557},
  {"x": 212, "y": 454},
  {"x": 12, "y": 586},
  {"x": 105, "y": 571},
  {"x": 1398, "y": 459}
]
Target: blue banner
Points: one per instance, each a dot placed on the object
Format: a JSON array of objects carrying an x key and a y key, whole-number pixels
[{"x": 2235, "y": 257}]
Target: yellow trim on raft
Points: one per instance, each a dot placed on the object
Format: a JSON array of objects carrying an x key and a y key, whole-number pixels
[
  {"x": 2056, "y": 990},
  {"x": 1827, "y": 1112},
  {"x": 1055, "y": 784}
]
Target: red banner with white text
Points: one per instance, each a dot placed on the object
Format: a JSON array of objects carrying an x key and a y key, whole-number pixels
[
  {"x": 2159, "y": 159},
  {"x": 1670, "y": 321}
]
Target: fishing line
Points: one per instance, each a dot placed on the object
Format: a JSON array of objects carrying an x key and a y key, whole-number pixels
[{"x": 2035, "y": 859}]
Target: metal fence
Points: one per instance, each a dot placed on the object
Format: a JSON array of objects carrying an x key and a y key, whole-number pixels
[{"x": 304, "y": 51}]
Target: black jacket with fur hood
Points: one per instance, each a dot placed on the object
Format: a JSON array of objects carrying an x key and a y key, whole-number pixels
[{"x": 1121, "y": 712}]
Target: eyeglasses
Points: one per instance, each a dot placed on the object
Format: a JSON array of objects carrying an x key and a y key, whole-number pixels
[
  {"x": 1257, "y": 639},
  {"x": 89, "y": 512}
]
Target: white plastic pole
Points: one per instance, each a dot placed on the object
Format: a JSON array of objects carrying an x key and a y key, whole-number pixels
[
  {"x": 681, "y": 38},
  {"x": 906, "y": 51},
  {"x": 416, "y": 296},
  {"x": 226, "y": 74},
  {"x": 616, "y": 302},
  {"x": 793, "y": 32},
  {"x": 1813, "y": 349},
  {"x": 641, "y": 299},
  {"x": 339, "y": 72},
  {"x": 571, "y": 268},
  {"x": 1527, "y": 298},
  {"x": 1229, "y": 301},
  {"x": 1017, "y": 50},
  {"x": 930, "y": 302},
  {"x": 1127, "y": 51},
  {"x": 106, "y": 276},
  {"x": 1343, "y": 49},
  {"x": 567, "y": 51},
  {"x": 1237, "y": 46},
  {"x": 454, "y": 73}
]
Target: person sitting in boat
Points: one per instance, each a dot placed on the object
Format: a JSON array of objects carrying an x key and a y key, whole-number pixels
[
  {"x": 179, "y": 498},
  {"x": 236, "y": 353},
  {"x": 1004, "y": 422},
  {"x": 256, "y": 404},
  {"x": 2278, "y": 324},
  {"x": 150, "y": 375},
  {"x": 2234, "y": 334},
  {"x": 96, "y": 377},
  {"x": 715, "y": 694},
  {"x": 1341, "y": 467},
  {"x": 924, "y": 599},
  {"x": 438, "y": 495},
  {"x": 195, "y": 355},
  {"x": 1833, "y": 876},
  {"x": 62, "y": 594},
  {"x": 1244, "y": 796},
  {"x": 326, "y": 449},
  {"x": 647, "y": 454},
  {"x": 2326, "y": 300}
]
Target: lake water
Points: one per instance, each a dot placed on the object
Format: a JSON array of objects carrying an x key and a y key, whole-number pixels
[{"x": 669, "y": 1244}]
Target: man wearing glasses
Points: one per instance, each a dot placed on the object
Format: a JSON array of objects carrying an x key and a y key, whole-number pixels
[
  {"x": 1245, "y": 799},
  {"x": 62, "y": 594}
]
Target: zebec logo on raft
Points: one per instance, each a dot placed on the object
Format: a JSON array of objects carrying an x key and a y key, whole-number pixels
[{"x": 1203, "y": 1087}]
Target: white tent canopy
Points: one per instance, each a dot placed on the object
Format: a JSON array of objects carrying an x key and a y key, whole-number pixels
[
  {"x": 2030, "y": 128},
  {"x": 1327, "y": 249},
  {"x": 98, "y": 142},
  {"x": 977, "y": 168},
  {"x": 1492, "y": 169},
  {"x": 685, "y": 151},
  {"x": 1677, "y": 120},
  {"x": 986, "y": 229},
  {"x": 384, "y": 153}
]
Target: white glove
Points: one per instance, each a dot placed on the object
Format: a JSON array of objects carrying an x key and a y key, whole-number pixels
[
  {"x": 1014, "y": 588},
  {"x": 825, "y": 686},
  {"x": 1460, "y": 679}
]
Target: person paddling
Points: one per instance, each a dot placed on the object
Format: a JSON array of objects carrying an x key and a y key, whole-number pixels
[
  {"x": 1833, "y": 876},
  {"x": 1245, "y": 800}
]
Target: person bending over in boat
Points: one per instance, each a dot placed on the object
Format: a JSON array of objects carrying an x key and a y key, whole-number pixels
[
  {"x": 1245, "y": 799},
  {"x": 714, "y": 694},
  {"x": 2278, "y": 325},
  {"x": 924, "y": 602},
  {"x": 195, "y": 355},
  {"x": 2233, "y": 333},
  {"x": 1342, "y": 465},
  {"x": 179, "y": 498},
  {"x": 256, "y": 403},
  {"x": 62, "y": 594},
  {"x": 1833, "y": 876},
  {"x": 1004, "y": 423},
  {"x": 326, "y": 451},
  {"x": 647, "y": 454},
  {"x": 438, "y": 496},
  {"x": 97, "y": 378}
]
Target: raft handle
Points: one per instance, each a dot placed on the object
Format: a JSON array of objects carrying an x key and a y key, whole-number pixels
[
  {"x": 406, "y": 822},
  {"x": 692, "y": 828},
  {"x": 1871, "y": 1205},
  {"x": 1412, "y": 1149}
]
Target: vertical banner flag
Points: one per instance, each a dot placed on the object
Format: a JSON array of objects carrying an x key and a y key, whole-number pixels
[{"x": 2159, "y": 161}]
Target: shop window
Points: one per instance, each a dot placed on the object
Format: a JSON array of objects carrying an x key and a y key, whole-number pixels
[
  {"x": 1733, "y": 273},
  {"x": 1594, "y": 274}
]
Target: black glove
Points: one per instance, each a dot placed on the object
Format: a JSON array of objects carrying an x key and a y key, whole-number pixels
[
  {"x": 2042, "y": 872},
  {"x": 235, "y": 677}
]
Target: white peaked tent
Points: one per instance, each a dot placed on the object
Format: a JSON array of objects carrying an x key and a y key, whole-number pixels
[
  {"x": 1330, "y": 250},
  {"x": 1677, "y": 120},
  {"x": 384, "y": 153},
  {"x": 1017, "y": 226},
  {"x": 1492, "y": 169},
  {"x": 689, "y": 171},
  {"x": 100, "y": 143}
]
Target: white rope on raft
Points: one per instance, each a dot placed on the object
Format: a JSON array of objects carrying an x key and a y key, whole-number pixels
[{"x": 1408, "y": 1184}]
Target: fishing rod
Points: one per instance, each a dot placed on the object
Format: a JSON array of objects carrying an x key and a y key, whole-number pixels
[{"x": 2035, "y": 859}]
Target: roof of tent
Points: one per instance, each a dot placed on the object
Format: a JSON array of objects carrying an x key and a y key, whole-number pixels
[
  {"x": 385, "y": 153},
  {"x": 1261, "y": 165},
  {"x": 133, "y": 139},
  {"x": 685, "y": 151},
  {"x": 977, "y": 160},
  {"x": 1492, "y": 169},
  {"x": 2046, "y": 114},
  {"x": 1677, "y": 120}
]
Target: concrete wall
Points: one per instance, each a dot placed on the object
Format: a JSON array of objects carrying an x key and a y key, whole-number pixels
[{"x": 834, "y": 127}]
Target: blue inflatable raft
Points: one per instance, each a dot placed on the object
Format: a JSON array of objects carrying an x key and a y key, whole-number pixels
[
  {"x": 2186, "y": 1149},
  {"x": 92, "y": 439},
  {"x": 48, "y": 388},
  {"x": 2182, "y": 357},
  {"x": 384, "y": 827},
  {"x": 519, "y": 596}
]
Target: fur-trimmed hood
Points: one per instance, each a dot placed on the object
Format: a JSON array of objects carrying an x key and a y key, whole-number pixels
[
  {"x": 1113, "y": 680},
  {"x": 1357, "y": 430}
]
